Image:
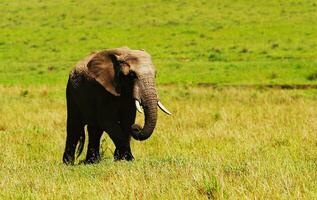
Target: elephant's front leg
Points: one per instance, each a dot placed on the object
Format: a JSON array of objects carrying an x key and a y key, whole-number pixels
[
  {"x": 121, "y": 140},
  {"x": 93, "y": 154}
]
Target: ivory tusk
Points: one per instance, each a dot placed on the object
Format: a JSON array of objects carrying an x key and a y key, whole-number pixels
[
  {"x": 138, "y": 106},
  {"x": 162, "y": 107}
]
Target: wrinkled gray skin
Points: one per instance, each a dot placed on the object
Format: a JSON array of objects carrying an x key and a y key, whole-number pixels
[{"x": 101, "y": 94}]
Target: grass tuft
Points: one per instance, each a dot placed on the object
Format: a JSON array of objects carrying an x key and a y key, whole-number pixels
[{"x": 312, "y": 76}]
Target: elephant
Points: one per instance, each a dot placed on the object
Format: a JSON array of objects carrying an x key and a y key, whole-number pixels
[{"x": 104, "y": 91}]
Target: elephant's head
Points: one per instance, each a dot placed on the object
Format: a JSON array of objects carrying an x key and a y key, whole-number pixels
[{"x": 106, "y": 65}]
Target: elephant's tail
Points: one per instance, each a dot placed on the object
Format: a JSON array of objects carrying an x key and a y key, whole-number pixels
[{"x": 80, "y": 146}]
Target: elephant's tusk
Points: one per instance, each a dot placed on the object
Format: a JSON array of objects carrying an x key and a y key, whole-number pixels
[
  {"x": 162, "y": 107},
  {"x": 138, "y": 106}
]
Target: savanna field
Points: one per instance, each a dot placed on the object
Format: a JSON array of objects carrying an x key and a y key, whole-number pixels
[{"x": 223, "y": 66}]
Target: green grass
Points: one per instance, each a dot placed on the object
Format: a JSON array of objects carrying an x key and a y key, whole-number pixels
[
  {"x": 222, "y": 42},
  {"x": 220, "y": 143}
]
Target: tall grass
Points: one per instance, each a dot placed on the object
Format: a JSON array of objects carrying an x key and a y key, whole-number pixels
[{"x": 219, "y": 143}]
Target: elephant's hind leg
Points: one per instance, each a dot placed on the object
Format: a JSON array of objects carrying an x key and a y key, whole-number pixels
[
  {"x": 93, "y": 154},
  {"x": 75, "y": 130}
]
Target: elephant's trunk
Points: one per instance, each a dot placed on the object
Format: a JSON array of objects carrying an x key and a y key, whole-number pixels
[{"x": 145, "y": 91}]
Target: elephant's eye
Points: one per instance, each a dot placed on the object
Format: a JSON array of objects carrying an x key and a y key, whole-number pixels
[
  {"x": 132, "y": 74},
  {"x": 121, "y": 62}
]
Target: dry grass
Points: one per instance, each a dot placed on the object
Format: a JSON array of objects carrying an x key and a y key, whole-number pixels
[{"x": 219, "y": 143}]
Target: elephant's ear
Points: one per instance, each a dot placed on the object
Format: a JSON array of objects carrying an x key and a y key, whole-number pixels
[{"x": 103, "y": 68}]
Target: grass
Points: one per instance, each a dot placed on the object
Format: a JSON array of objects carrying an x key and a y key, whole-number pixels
[
  {"x": 220, "y": 143},
  {"x": 219, "y": 42}
]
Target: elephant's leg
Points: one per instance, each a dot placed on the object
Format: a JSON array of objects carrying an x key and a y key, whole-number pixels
[
  {"x": 121, "y": 141},
  {"x": 75, "y": 129},
  {"x": 94, "y": 133},
  {"x": 127, "y": 120}
]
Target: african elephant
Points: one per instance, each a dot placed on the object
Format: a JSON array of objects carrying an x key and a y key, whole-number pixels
[{"x": 103, "y": 92}]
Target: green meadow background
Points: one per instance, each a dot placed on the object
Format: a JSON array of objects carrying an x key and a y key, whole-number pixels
[{"x": 234, "y": 133}]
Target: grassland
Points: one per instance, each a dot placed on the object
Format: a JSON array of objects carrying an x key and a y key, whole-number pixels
[
  {"x": 219, "y": 42},
  {"x": 220, "y": 143}
]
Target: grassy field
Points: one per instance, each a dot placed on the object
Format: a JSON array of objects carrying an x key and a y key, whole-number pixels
[
  {"x": 223, "y": 142},
  {"x": 219, "y": 42}
]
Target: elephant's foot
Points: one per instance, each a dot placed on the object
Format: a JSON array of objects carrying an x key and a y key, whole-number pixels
[
  {"x": 123, "y": 155},
  {"x": 68, "y": 158},
  {"x": 92, "y": 157}
]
